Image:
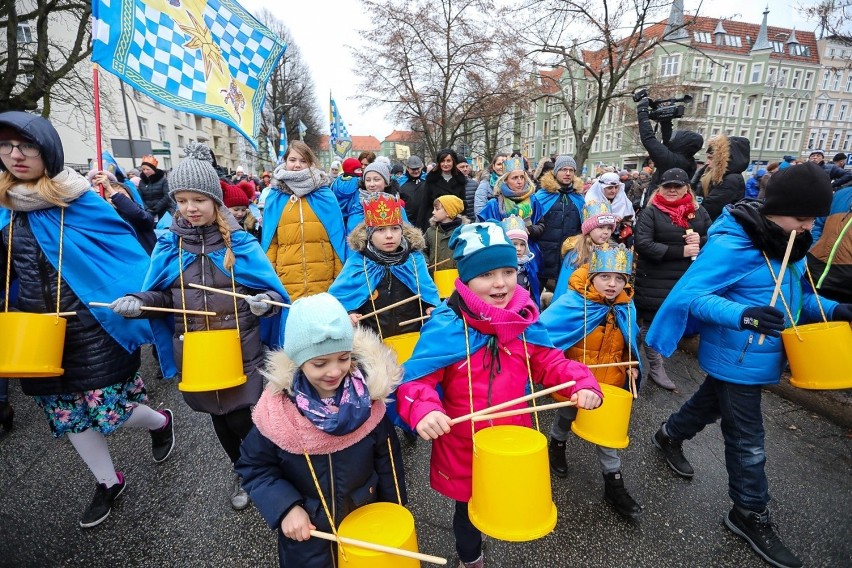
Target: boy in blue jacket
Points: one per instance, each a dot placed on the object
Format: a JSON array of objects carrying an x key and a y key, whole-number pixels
[{"x": 727, "y": 290}]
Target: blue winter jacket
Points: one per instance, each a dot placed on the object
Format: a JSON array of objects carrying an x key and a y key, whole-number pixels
[{"x": 728, "y": 276}]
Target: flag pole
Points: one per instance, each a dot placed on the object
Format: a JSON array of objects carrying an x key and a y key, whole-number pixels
[{"x": 98, "y": 146}]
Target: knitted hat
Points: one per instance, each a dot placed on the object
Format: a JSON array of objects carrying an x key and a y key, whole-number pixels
[
  {"x": 316, "y": 325},
  {"x": 515, "y": 228},
  {"x": 350, "y": 165},
  {"x": 481, "y": 247},
  {"x": 233, "y": 196},
  {"x": 799, "y": 191},
  {"x": 150, "y": 161},
  {"x": 597, "y": 214},
  {"x": 452, "y": 205},
  {"x": 564, "y": 162},
  {"x": 110, "y": 176},
  {"x": 195, "y": 173},
  {"x": 380, "y": 169}
]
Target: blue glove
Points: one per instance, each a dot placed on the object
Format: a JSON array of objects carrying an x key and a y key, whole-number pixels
[
  {"x": 127, "y": 306},
  {"x": 765, "y": 320},
  {"x": 258, "y": 305},
  {"x": 843, "y": 312}
]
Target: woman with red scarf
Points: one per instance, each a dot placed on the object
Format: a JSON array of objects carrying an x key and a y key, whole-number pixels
[{"x": 668, "y": 235}]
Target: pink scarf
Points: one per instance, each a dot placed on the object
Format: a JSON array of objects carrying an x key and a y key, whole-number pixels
[{"x": 506, "y": 323}]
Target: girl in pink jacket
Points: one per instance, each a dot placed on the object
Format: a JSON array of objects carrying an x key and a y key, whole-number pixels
[{"x": 488, "y": 325}]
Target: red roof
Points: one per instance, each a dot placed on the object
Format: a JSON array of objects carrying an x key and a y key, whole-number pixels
[
  {"x": 366, "y": 144},
  {"x": 549, "y": 80},
  {"x": 401, "y": 136},
  {"x": 323, "y": 142}
]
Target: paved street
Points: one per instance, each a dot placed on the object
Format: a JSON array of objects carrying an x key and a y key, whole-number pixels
[{"x": 177, "y": 513}]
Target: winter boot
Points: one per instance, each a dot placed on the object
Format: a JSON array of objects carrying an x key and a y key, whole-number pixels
[
  {"x": 656, "y": 370},
  {"x": 7, "y": 416},
  {"x": 239, "y": 498},
  {"x": 673, "y": 452},
  {"x": 759, "y": 531},
  {"x": 558, "y": 463},
  {"x": 616, "y": 495}
]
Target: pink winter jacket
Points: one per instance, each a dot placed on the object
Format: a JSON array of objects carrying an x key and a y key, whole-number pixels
[{"x": 451, "y": 463}]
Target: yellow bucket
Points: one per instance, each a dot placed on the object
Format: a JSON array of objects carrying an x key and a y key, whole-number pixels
[
  {"x": 823, "y": 359},
  {"x": 403, "y": 344},
  {"x": 445, "y": 281},
  {"x": 607, "y": 424},
  {"x": 31, "y": 345},
  {"x": 387, "y": 524},
  {"x": 212, "y": 360},
  {"x": 511, "y": 497}
]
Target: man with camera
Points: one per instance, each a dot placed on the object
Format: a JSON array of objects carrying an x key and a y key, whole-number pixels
[{"x": 677, "y": 149}]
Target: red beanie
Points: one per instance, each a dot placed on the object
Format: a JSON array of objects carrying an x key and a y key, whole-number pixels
[
  {"x": 233, "y": 196},
  {"x": 248, "y": 189},
  {"x": 350, "y": 165}
]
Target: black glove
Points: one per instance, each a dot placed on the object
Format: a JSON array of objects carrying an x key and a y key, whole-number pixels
[
  {"x": 643, "y": 106},
  {"x": 843, "y": 312},
  {"x": 765, "y": 320}
]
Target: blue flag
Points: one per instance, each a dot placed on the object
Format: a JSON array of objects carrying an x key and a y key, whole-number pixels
[
  {"x": 282, "y": 142},
  {"x": 204, "y": 57},
  {"x": 340, "y": 142},
  {"x": 302, "y": 130}
]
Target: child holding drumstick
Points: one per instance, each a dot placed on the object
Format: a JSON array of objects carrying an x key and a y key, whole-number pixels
[
  {"x": 480, "y": 347},
  {"x": 595, "y": 323}
]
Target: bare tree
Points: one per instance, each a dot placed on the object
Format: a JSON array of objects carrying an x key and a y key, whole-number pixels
[
  {"x": 833, "y": 17},
  {"x": 596, "y": 44},
  {"x": 445, "y": 67},
  {"x": 37, "y": 66},
  {"x": 290, "y": 92}
]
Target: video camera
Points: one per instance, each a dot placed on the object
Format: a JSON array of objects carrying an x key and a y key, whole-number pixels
[{"x": 663, "y": 109}]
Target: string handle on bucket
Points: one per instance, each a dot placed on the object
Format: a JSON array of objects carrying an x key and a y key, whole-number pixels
[
  {"x": 393, "y": 470},
  {"x": 183, "y": 294},
  {"x": 530, "y": 379},
  {"x": 9, "y": 262},
  {"x": 325, "y": 504},
  {"x": 783, "y": 299},
  {"x": 816, "y": 294}
]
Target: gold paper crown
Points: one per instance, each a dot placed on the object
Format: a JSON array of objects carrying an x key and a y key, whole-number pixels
[
  {"x": 594, "y": 208},
  {"x": 382, "y": 210},
  {"x": 608, "y": 258}
]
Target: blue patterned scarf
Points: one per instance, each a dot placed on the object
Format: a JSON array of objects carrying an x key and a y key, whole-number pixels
[{"x": 338, "y": 415}]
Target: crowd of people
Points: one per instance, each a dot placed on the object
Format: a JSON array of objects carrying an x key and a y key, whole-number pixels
[{"x": 319, "y": 271}]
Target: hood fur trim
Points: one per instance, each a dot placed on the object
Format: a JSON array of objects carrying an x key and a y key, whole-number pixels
[
  {"x": 357, "y": 239},
  {"x": 375, "y": 359},
  {"x": 721, "y": 155}
]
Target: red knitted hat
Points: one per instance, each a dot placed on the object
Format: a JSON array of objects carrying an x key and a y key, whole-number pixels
[
  {"x": 233, "y": 196},
  {"x": 350, "y": 167}
]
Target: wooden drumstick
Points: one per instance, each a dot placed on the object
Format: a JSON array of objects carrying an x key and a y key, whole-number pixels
[
  {"x": 513, "y": 402},
  {"x": 777, "y": 291},
  {"x": 439, "y": 263},
  {"x": 406, "y": 322},
  {"x": 380, "y": 548},
  {"x": 229, "y": 293},
  {"x": 153, "y": 309},
  {"x": 517, "y": 411},
  {"x": 390, "y": 307}
]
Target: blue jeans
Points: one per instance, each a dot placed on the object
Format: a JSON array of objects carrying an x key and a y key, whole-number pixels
[{"x": 742, "y": 428}]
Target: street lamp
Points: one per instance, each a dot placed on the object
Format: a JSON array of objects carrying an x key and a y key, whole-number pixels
[{"x": 791, "y": 44}]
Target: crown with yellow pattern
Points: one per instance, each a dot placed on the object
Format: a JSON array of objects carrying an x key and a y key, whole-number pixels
[
  {"x": 515, "y": 227},
  {"x": 382, "y": 210},
  {"x": 512, "y": 164},
  {"x": 596, "y": 214},
  {"x": 611, "y": 258}
]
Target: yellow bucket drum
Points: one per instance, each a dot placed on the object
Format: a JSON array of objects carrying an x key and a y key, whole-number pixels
[
  {"x": 403, "y": 345},
  {"x": 823, "y": 358},
  {"x": 212, "y": 360},
  {"x": 445, "y": 281},
  {"x": 511, "y": 497},
  {"x": 31, "y": 345},
  {"x": 382, "y": 523},
  {"x": 607, "y": 424}
]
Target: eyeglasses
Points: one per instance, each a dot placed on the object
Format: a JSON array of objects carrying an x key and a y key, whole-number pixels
[{"x": 26, "y": 149}]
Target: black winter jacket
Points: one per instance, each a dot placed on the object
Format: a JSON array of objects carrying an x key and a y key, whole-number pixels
[
  {"x": 562, "y": 221},
  {"x": 677, "y": 149},
  {"x": 154, "y": 191},
  {"x": 659, "y": 247},
  {"x": 469, "y": 194},
  {"x": 435, "y": 187},
  {"x": 91, "y": 358},
  {"x": 732, "y": 187},
  {"x": 413, "y": 193}
]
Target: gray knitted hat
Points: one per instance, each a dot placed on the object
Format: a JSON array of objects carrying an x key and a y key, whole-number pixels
[
  {"x": 195, "y": 173},
  {"x": 564, "y": 161},
  {"x": 380, "y": 169}
]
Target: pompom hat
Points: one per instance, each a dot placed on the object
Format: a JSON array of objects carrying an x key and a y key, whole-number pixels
[{"x": 195, "y": 173}]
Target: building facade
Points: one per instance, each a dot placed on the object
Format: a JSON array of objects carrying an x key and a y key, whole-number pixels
[{"x": 829, "y": 126}]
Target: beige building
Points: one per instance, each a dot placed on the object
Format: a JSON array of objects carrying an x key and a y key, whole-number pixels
[{"x": 830, "y": 123}]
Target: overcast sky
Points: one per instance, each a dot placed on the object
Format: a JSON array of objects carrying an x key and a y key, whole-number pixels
[{"x": 324, "y": 28}]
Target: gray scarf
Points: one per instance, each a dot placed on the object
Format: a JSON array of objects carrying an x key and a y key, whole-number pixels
[
  {"x": 302, "y": 182},
  {"x": 23, "y": 197}
]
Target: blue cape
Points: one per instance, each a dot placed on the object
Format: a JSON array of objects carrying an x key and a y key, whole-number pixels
[
  {"x": 350, "y": 286},
  {"x": 251, "y": 269},
  {"x": 324, "y": 205},
  {"x": 101, "y": 259},
  {"x": 546, "y": 200},
  {"x": 564, "y": 320},
  {"x": 491, "y": 212},
  {"x": 442, "y": 343}
]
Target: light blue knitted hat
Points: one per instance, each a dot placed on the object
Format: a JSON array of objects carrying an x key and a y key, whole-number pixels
[{"x": 317, "y": 325}]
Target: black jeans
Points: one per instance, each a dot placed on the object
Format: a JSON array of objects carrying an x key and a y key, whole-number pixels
[
  {"x": 468, "y": 537},
  {"x": 231, "y": 429}
]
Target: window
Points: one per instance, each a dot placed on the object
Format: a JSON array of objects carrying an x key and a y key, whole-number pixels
[
  {"x": 782, "y": 77},
  {"x": 25, "y": 32},
  {"x": 618, "y": 140},
  {"x": 794, "y": 143},
  {"x": 645, "y": 70},
  {"x": 797, "y": 76},
  {"x": 161, "y": 130},
  {"x": 715, "y": 131},
  {"x": 546, "y": 128},
  {"x": 702, "y": 37},
  {"x": 744, "y": 132},
  {"x": 782, "y": 140},
  {"x": 778, "y": 46},
  {"x": 821, "y": 139},
  {"x": 721, "y": 101},
  {"x": 776, "y": 109},
  {"x": 670, "y": 66},
  {"x": 770, "y": 140},
  {"x": 811, "y": 138},
  {"x": 829, "y": 110},
  {"x": 817, "y": 113},
  {"x": 176, "y": 114},
  {"x": 734, "y": 108},
  {"x": 809, "y": 76},
  {"x": 711, "y": 67},
  {"x": 739, "y": 74},
  {"x": 825, "y": 78},
  {"x": 756, "y": 72},
  {"x": 758, "y": 139},
  {"x": 182, "y": 140},
  {"x": 770, "y": 75},
  {"x": 607, "y": 142},
  {"x": 596, "y": 145},
  {"x": 799, "y": 49},
  {"x": 835, "y": 84},
  {"x": 788, "y": 113},
  {"x": 841, "y": 112},
  {"x": 187, "y": 119},
  {"x": 764, "y": 106},
  {"x": 835, "y": 140},
  {"x": 725, "y": 73},
  {"x": 733, "y": 41},
  {"x": 803, "y": 106},
  {"x": 749, "y": 104},
  {"x": 698, "y": 66},
  {"x": 847, "y": 142},
  {"x": 167, "y": 163}
]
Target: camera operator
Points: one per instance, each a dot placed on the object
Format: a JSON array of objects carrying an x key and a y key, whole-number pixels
[{"x": 676, "y": 150}]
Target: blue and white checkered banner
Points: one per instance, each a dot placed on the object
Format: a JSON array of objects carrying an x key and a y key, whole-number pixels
[
  {"x": 205, "y": 57},
  {"x": 339, "y": 141},
  {"x": 282, "y": 141}
]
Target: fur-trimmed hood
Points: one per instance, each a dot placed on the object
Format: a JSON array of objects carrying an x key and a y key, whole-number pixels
[
  {"x": 357, "y": 239},
  {"x": 549, "y": 184},
  {"x": 730, "y": 155}
]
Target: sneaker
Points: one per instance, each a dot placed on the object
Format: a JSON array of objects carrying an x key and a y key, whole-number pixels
[
  {"x": 478, "y": 563},
  {"x": 163, "y": 440},
  {"x": 616, "y": 495},
  {"x": 673, "y": 452},
  {"x": 239, "y": 498},
  {"x": 556, "y": 453},
  {"x": 98, "y": 510},
  {"x": 759, "y": 531}
]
